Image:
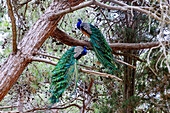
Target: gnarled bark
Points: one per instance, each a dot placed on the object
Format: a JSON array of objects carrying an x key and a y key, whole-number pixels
[{"x": 32, "y": 41}]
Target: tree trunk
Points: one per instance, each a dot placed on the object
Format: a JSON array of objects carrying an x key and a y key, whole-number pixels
[
  {"x": 129, "y": 85},
  {"x": 32, "y": 41}
]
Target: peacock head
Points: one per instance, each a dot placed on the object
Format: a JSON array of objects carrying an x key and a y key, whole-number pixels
[{"x": 78, "y": 24}]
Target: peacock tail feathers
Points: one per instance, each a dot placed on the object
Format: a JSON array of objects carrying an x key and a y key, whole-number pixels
[
  {"x": 99, "y": 45},
  {"x": 65, "y": 73},
  {"x": 102, "y": 49}
]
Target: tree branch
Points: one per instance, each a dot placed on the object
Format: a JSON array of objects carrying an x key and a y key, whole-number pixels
[
  {"x": 43, "y": 60},
  {"x": 127, "y": 7},
  {"x": 52, "y": 16},
  {"x": 45, "y": 108},
  {"x": 130, "y": 55},
  {"x": 43, "y": 54},
  {"x": 91, "y": 84},
  {"x": 68, "y": 40},
  {"x": 82, "y": 70},
  {"x": 14, "y": 31},
  {"x": 7, "y": 107},
  {"x": 14, "y": 65},
  {"x": 101, "y": 74},
  {"x": 131, "y": 66}
]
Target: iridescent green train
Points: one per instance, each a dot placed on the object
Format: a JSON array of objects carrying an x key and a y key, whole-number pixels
[
  {"x": 99, "y": 45},
  {"x": 65, "y": 70}
]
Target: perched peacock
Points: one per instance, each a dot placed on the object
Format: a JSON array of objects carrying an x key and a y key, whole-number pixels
[
  {"x": 99, "y": 45},
  {"x": 65, "y": 70}
]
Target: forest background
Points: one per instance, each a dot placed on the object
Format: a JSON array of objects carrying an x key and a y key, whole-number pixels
[{"x": 34, "y": 34}]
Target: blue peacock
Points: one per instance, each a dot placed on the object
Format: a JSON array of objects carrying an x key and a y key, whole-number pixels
[
  {"x": 99, "y": 45},
  {"x": 65, "y": 70}
]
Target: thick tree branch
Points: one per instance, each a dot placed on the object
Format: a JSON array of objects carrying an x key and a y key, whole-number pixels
[
  {"x": 14, "y": 31},
  {"x": 68, "y": 40}
]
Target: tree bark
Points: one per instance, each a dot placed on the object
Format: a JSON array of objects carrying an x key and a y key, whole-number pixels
[
  {"x": 129, "y": 84},
  {"x": 32, "y": 41}
]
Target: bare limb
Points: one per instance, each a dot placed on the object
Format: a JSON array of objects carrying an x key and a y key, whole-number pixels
[
  {"x": 101, "y": 74},
  {"x": 45, "y": 108},
  {"x": 14, "y": 31},
  {"x": 131, "y": 66},
  {"x": 43, "y": 60},
  {"x": 43, "y": 54},
  {"x": 6, "y": 107}
]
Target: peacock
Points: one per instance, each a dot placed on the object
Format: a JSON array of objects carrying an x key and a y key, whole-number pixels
[
  {"x": 99, "y": 45},
  {"x": 65, "y": 70}
]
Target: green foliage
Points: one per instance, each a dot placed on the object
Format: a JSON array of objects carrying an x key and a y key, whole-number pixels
[{"x": 151, "y": 83}]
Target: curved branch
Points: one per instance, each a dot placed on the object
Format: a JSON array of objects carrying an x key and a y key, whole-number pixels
[
  {"x": 68, "y": 40},
  {"x": 43, "y": 54},
  {"x": 43, "y": 60},
  {"x": 45, "y": 108}
]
